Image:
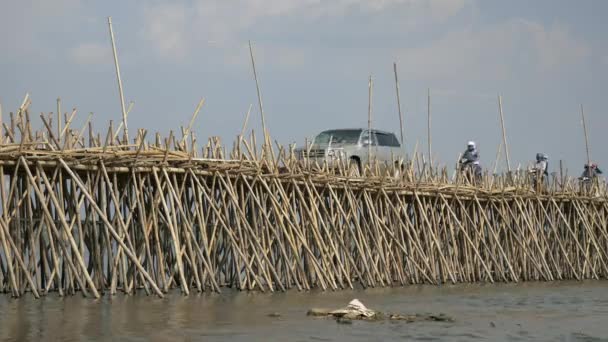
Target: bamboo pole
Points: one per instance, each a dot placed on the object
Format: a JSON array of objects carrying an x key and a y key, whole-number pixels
[
  {"x": 120, "y": 92},
  {"x": 59, "y": 129},
  {"x": 586, "y": 136},
  {"x": 428, "y": 126},
  {"x": 131, "y": 104},
  {"x": 109, "y": 226},
  {"x": 399, "y": 107},
  {"x": 246, "y": 120},
  {"x": 257, "y": 87},
  {"x": 504, "y": 134},
  {"x": 369, "y": 121},
  {"x": 1, "y": 123},
  {"x": 189, "y": 129},
  {"x": 63, "y": 222}
]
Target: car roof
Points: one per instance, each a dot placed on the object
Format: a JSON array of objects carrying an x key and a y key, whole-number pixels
[{"x": 356, "y": 129}]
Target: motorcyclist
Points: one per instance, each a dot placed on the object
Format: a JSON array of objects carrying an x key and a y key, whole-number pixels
[
  {"x": 470, "y": 161},
  {"x": 589, "y": 177},
  {"x": 540, "y": 170},
  {"x": 591, "y": 172}
]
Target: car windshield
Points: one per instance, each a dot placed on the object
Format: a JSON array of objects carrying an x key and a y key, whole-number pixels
[{"x": 339, "y": 136}]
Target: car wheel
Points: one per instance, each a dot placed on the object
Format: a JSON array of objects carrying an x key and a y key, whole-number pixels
[
  {"x": 354, "y": 167},
  {"x": 399, "y": 168}
]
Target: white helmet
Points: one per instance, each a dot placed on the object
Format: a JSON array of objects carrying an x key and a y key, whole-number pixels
[{"x": 471, "y": 143}]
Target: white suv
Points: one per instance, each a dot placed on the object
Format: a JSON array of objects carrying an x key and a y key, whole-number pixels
[{"x": 356, "y": 146}]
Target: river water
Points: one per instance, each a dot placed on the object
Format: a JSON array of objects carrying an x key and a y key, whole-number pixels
[{"x": 559, "y": 311}]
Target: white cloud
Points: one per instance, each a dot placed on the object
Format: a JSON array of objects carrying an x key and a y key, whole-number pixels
[
  {"x": 175, "y": 27},
  {"x": 557, "y": 46},
  {"x": 181, "y": 30},
  {"x": 443, "y": 9},
  {"x": 437, "y": 9},
  {"x": 91, "y": 54},
  {"x": 22, "y": 21},
  {"x": 282, "y": 56},
  {"x": 493, "y": 52},
  {"x": 166, "y": 26}
]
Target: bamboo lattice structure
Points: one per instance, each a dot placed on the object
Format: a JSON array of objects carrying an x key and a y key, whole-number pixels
[{"x": 85, "y": 212}]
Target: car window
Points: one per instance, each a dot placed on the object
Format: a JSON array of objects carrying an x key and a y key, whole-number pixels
[
  {"x": 365, "y": 137},
  {"x": 396, "y": 142},
  {"x": 386, "y": 139},
  {"x": 338, "y": 136}
]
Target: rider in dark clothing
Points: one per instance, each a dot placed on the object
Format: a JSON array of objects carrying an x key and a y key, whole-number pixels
[
  {"x": 591, "y": 172},
  {"x": 542, "y": 164},
  {"x": 589, "y": 177},
  {"x": 540, "y": 170}
]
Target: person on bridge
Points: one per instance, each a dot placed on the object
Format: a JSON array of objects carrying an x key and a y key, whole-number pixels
[
  {"x": 588, "y": 180},
  {"x": 469, "y": 163},
  {"x": 591, "y": 172},
  {"x": 540, "y": 171}
]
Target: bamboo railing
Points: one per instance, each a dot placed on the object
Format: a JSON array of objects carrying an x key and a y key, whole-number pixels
[{"x": 82, "y": 212}]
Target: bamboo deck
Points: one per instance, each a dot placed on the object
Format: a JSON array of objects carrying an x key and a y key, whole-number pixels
[{"x": 91, "y": 213}]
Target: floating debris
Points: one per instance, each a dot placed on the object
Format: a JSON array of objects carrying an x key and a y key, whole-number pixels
[{"x": 355, "y": 310}]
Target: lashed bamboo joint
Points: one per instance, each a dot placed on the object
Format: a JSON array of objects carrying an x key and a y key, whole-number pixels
[{"x": 108, "y": 216}]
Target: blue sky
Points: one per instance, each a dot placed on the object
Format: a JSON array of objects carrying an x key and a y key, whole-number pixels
[{"x": 546, "y": 57}]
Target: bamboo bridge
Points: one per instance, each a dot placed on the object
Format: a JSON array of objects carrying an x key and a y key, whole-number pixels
[{"x": 99, "y": 214}]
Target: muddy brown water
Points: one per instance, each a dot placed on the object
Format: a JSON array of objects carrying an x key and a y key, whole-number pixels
[{"x": 558, "y": 311}]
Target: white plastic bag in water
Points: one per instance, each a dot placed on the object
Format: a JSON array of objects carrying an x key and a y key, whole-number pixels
[{"x": 354, "y": 307}]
